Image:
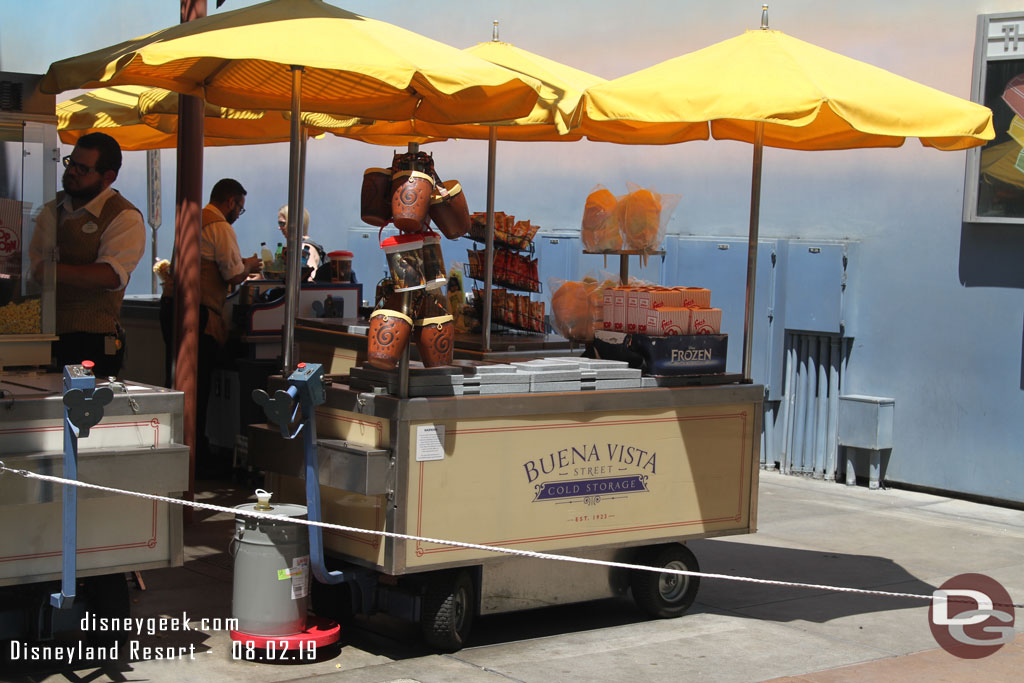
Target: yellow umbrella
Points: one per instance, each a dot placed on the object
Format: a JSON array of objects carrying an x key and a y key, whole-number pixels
[
  {"x": 140, "y": 117},
  {"x": 561, "y": 88},
  {"x": 768, "y": 88},
  {"x": 352, "y": 65},
  {"x": 806, "y": 97}
]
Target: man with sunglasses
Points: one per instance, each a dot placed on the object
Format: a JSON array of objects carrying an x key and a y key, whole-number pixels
[{"x": 99, "y": 238}]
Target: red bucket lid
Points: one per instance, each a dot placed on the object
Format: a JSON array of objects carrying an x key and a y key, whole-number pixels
[
  {"x": 402, "y": 240},
  {"x": 340, "y": 255}
]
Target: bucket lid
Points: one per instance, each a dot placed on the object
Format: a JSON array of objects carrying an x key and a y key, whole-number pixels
[
  {"x": 283, "y": 510},
  {"x": 340, "y": 255},
  {"x": 403, "y": 242},
  {"x": 451, "y": 186}
]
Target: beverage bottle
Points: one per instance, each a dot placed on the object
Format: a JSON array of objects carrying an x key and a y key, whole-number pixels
[
  {"x": 266, "y": 256},
  {"x": 279, "y": 257}
]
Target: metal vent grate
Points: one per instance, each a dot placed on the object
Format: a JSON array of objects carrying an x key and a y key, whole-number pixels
[
  {"x": 10, "y": 96},
  {"x": 801, "y": 430}
]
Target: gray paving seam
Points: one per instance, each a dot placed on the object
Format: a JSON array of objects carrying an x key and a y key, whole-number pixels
[{"x": 484, "y": 668}]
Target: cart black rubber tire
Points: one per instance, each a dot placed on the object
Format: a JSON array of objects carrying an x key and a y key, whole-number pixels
[
  {"x": 665, "y": 596},
  {"x": 447, "y": 610}
]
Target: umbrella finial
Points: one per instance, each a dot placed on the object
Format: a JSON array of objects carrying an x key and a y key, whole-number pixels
[
  {"x": 494, "y": 32},
  {"x": 764, "y": 16}
]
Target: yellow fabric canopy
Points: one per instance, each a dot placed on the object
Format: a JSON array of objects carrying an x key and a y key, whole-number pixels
[
  {"x": 353, "y": 66},
  {"x": 561, "y": 88},
  {"x": 140, "y": 117},
  {"x": 807, "y": 97}
]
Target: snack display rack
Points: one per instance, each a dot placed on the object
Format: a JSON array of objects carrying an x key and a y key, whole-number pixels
[
  {"x": 514, "y": 268},
  {"x": 513, "y": 311},
  {"x": 511, "y": 270}
]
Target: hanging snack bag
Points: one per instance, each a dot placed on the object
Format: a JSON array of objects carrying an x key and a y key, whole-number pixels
[
  {"x": 644, "y": 217},
  {"x": 600, "y": 227}
]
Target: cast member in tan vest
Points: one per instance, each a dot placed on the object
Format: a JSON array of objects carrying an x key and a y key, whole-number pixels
[
  {"x": 221, "y": 267},
  {"x": 98, "y": 238}
]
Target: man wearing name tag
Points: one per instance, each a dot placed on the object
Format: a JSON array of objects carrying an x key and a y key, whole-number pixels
[{"x": 99, "y": 237}]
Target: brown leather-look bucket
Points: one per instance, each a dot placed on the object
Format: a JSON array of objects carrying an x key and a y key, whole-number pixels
[
  {"x": 450, "y": 213},
  {"x": 410, "y": 199},
  {"x": 435, "y": 340},
  {"x": 375, "y": 197},
  {"x": 389, "y": 334}
]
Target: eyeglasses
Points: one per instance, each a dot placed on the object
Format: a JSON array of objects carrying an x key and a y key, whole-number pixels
[{"x": 80, "y": 167}]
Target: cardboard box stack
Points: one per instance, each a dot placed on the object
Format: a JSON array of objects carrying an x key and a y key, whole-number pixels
[{"x": 660, "y": 311}]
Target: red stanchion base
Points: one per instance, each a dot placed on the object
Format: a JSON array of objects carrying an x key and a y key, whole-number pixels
[{"x": 319, "y": 633}]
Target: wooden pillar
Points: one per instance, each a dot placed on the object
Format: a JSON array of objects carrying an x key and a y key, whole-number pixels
[{"x": 187, "y": 217}]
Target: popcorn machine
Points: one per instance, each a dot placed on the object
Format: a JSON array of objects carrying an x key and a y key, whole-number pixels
[{"x": 29, "y": 154}]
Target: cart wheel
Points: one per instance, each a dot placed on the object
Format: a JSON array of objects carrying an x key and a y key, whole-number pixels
[
  {"x": 446, "y": 615},
  {"x": 664, "y": 596}
]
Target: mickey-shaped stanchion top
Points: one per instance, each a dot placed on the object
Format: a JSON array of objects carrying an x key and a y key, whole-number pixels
[
  {"x": 84, "y": 403},
  {"x": 305, "y": 388}
]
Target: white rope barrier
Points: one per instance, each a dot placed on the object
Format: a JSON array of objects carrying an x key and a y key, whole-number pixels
[{"x": 460, "y": 544}]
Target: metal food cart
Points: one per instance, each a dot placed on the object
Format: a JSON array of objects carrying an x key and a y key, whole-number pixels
[
  {"x": 622, "y": 475},
  {"x": 136, "y": 445}
]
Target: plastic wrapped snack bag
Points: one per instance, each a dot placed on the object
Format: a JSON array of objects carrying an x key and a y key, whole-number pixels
[
  {"x": 570, "y": 310},
  {"x": 644, "y": 217},
  {"x": 600, "y": 227}
]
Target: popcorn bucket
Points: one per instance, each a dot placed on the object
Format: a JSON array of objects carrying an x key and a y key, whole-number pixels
[
  {"x": 404, "y": 254},
  {"x": 433, "y": 260},
  {"x": 451, "y": 213},
  {"x": 388, "y": 336},
  {"x": 435, "y": 340},
  {"x": 410, "y": 199},
  {"x": 341, "y": 266},
  {"x": 375, "y": 196}
]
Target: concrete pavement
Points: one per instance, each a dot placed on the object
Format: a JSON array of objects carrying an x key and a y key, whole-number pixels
[{"x": 809, "y": 531}]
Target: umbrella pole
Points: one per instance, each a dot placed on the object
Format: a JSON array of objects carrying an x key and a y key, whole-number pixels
[
  {"x": 291, "y": 302},
  {"x": 755, "y": 210},
  {"x": 492, "y": 148}
]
